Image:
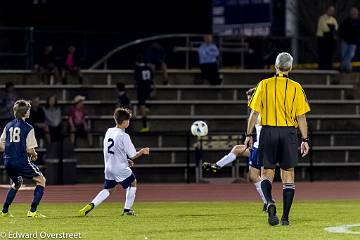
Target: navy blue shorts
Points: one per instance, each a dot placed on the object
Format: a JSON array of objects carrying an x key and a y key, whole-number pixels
[
  {"x": 26, "y": 170},
  {"x": 125, "y": 184},
  {"x": 253, "y": 160}
]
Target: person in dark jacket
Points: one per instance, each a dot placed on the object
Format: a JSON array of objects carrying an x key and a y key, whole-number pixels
[
  {"x": 123, "y": 100},
  {"x": 349, "y": 33},
  {"x": 144, "y": 76}
]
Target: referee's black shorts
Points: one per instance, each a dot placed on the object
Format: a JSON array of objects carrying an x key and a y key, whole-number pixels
[{"x": 278, "y": 145}]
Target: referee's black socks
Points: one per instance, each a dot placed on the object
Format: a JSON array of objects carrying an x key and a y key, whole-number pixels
[
  {"x": 266, "y": 189},
  {"x": 288, "y": 196}
]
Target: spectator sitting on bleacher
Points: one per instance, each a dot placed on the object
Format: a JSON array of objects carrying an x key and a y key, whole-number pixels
[
  {"x": 48, "y": 66},
  {"x": 71, "y": 65},
  {"x": 155, "y": 56},
  {"x": 208, "y": 57},
  {"x": 38, "y": 121},
  {"x": 144, "y": 83},
  {"x": 349, "y": 32},
  {"x": 122, "y": 99},
  {"x": 77, "y": 122},
  {"x": 7, "y": 101},
  {"x": 53, "y": 118}
]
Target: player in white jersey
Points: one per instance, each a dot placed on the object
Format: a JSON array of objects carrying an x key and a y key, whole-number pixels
[
  {"x": 243, "y": 151},
  {"x": 119, "y": 152}
]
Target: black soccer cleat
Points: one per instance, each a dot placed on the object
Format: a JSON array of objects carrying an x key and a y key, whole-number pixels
[
  {"x": 272, "y": 218},
  {"x": 285, "y": 222},
  {"x": 129, "y": 212},
  {"x": 264, "y": 208},
  {"x": 210, "y": 167}
]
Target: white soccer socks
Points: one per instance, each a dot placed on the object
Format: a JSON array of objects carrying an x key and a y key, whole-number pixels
[
  {"x": 258, "y": 189},
  {"x": 226, "y": 160},
  {"x": 102, "y": 195},
  {"x": 130, "y": 197}
]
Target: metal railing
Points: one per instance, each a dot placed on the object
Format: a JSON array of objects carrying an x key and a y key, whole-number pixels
[
  {"x": 104, "y": 60},
  {"x": 20, "y": 48},
  {"x": 264, "y": 49}
]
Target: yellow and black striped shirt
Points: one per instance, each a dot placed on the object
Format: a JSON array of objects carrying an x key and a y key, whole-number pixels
[{"x": 279, "y": 100}]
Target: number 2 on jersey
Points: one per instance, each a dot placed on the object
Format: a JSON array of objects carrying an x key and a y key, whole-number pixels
[
  {"x": 111, "y": 141},
  {"x": 14, "y": 134}
]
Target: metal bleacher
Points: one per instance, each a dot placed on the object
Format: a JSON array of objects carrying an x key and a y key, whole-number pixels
[{"x": 334, "y": 119}]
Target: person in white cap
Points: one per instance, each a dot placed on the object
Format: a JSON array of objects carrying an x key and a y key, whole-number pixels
[{"x": 78, "y": 126}]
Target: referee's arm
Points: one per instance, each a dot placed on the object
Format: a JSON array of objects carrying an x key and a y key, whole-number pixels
[
  {"x": 304, "y": 134},
  {"x": 302, "y": 108}
]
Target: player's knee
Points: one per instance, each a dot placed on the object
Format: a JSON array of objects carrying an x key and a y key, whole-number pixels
[
  {"x": 254, "y": 176},
  {"x": 18, "y": 184},
  {"x": 268, "y": 174},
  {"x": 40, "y": 180},
  {"x": 238, "y": 149},
  {"x": 287, "y": 175},
  {"x": 43, "y": 181},
  {"x": 134, "y": 183}
]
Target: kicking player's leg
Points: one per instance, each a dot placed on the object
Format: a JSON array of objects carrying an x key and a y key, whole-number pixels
[
  {"x": 38, "y": 193},
  {"x": 287, "y": 177},
  {"x": 255, "y": 173},
  {"x": 237, "y": 151},
  {"x": 17, "y": 181},
  {"x": 130, "y": 185},
  {"x": 109, "y": 187},
  {"x": 254, "y": 177}
]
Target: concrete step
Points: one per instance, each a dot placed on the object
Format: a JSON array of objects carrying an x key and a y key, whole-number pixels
[
  {"x": 230, "y": 76},
  {"x": 323, "y": 154},
  {"x": 212, "y": 107},
  {"x": 235, "y": 123},
  {"x": 225, "y": 141},
  {"x": 174, "y": 92},
  {"x": 229, "y": 123}
]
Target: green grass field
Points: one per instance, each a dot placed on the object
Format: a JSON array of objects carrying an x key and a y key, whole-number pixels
[{"x": 215, "y": 220}]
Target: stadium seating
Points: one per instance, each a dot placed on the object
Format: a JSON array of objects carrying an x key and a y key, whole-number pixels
[{"x": 334, "y": 115}]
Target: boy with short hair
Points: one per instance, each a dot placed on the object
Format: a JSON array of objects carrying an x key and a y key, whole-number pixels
[
  {"x": 18, "y": 144},
  {"x": 117, "y": 149}
]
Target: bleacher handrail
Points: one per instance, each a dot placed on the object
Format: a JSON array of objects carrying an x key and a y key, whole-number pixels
[
  {"x": 181, "y": 71},
  {"x": 104, "y": 59},
  {"x": 236, "y": 86}
]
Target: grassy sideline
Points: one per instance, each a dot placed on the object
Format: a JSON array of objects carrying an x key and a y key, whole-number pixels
[{"x": 188, "y": 220}]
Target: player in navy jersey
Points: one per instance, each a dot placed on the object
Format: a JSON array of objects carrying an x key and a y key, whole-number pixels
[
  {"x": 18, "y": 143},
  {"x": 144, "y": 76}
]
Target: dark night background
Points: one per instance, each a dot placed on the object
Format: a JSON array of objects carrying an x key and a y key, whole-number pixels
[
  {"x": 110, "y": 15},
  {"x": 96, "y": 27}
]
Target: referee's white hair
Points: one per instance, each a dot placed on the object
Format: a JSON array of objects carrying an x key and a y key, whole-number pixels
[{"x": 284, "y": 62}]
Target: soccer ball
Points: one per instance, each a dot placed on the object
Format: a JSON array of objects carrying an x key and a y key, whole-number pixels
[{"x": 199, "y": 129}]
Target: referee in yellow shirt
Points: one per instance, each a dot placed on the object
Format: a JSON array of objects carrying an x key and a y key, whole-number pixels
[{"x": 282, "y": 105}]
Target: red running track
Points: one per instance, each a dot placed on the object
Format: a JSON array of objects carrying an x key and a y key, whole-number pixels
[{"x": 195, "y": 192}]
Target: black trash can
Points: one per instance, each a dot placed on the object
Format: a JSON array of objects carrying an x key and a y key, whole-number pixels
[
  {"x": 69, "y": 171},
  {"x": 54, "y": 175}
]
